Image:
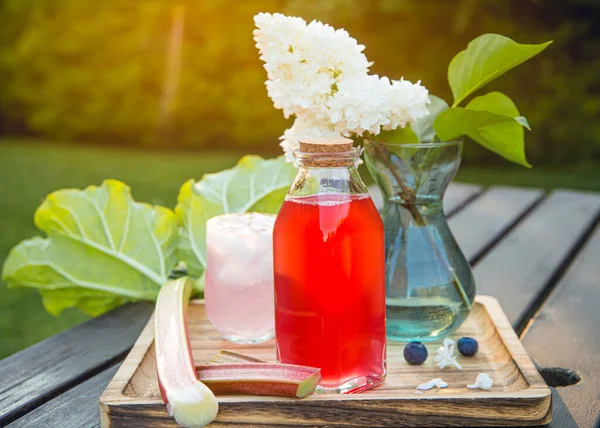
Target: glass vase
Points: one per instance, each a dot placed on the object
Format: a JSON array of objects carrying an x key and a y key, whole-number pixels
[{"x": 430, "y": 287}]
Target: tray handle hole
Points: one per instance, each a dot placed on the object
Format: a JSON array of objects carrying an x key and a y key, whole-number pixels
[{"x": 558, "y": 376}]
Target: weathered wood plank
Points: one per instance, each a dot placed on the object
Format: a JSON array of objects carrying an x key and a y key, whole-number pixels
[
  {"x": 523, "y": 263},
  {"x": 456, "y": 196},
  {"x": 566, "y": 332},
  {"x": 487, "y": 218},
  {"x": 36, "y": 374},
  {"x": 76, "y": 408}
]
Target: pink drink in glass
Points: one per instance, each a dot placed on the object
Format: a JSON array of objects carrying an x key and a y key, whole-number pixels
[{"x": 239, "y": 276}]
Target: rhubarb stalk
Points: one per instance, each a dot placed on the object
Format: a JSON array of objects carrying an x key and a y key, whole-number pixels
[
  {"x": 188, "y": 400},
  {"x": 230, "y": 372},
  {"x": 284, "y": 380}
]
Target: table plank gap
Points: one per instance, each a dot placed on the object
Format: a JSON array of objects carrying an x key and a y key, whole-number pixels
[
  {"x": 538, "y": 304},
  {"x": 526, "y": 261},
  {"x": 486, "y": 220},
  {"x": 565, "y": 332},
  {"x": 460, "y": 195},
  {"x": 40, "y": 373}
]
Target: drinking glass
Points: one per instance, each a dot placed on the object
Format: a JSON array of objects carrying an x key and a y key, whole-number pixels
[{"x": 239, "y": 276}]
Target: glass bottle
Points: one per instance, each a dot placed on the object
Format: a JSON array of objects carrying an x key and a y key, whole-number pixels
[
  {"x": 328, "y": 247},
  {"x": 429, "y": 283}
]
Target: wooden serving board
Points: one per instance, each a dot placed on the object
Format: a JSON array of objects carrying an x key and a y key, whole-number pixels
[{"x": 519, "y": 395}]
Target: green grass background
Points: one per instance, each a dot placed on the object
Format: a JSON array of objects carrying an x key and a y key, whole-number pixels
[{"x": 30, "y": 170}]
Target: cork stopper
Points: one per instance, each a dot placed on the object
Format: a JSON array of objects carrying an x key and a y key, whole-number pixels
[
  {"x": 325, "y": 145},
  {"x": 326, "y": 152}
]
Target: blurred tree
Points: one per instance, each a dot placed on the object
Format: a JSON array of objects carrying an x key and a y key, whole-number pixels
[{"x": 79, "y": 70}]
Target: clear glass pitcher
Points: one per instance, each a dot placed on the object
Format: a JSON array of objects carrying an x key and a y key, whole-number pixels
[{"x": 430, "y": 287}]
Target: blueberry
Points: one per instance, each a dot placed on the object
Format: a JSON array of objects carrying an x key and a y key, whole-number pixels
[
  {"x": 415, "y": 353},
  {"x": 467, "y": 346}
]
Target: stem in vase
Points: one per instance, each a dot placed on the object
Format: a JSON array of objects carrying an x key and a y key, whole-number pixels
[
  {"x": 407, "y": 195},
  {"x": 409, "y": 199}
]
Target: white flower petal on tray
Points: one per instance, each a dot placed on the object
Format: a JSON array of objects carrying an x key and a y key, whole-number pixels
[
  {"x": 432, "y": 384},
  {"x": 484, "y": 381},
  {"x": 445, "y": 356},
  {"x": 425, "y": 386}
]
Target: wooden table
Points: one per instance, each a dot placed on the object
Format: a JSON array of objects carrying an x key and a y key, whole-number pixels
[{"x": 538, "y": 253}]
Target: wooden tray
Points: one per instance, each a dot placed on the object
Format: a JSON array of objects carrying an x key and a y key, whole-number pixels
[{"x": 519, "y": 395}]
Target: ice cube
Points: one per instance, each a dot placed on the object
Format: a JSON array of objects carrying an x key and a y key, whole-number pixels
[
  {"x": 262, "y": 222},
  {"x": 233, "y": 275},
  {"x": 263, "y": 269},
  {"x": 246, "y": 223},
  {"x": 240, "y": 248}
]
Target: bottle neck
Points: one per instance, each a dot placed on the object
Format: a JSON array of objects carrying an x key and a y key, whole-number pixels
[{"x": 341, "y": 180}]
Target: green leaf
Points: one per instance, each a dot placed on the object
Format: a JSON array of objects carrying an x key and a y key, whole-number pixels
[
  {"x": 419, "y": 132},
  {"x": 253, "y": 185},
  {"x": 523, "y": 121},
  {"x": 102, "y": 249},
  {"x": 486, "y": 58},
  {"x": 192, "y": 212},
  {"x": 495, "y": 102},
  {"x": 492, "y": 120},
  {"x": 92, "y": 302},
  {"x": 398, "y": 136},
  {"x": 424, "y": 126}
]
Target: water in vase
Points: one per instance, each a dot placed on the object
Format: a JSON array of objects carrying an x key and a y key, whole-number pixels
[{"x": 429, "y": 284}]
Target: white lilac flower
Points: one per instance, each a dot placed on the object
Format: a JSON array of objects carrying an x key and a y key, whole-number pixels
[
  {"x": 302, "y": 129},
  {"x": 305, "y": 62},
  {"x": 360, "y": 105},
  {"x": 320, "y": 75},
  {"x": 408, "y": 102},
  {"x": 305, "y": 129},
  {"x": 446, "y": 355},
  {"x": 484, "y": 381},
  {"x": 369, "y": 103},
  {"x": 432, "y": 384}
]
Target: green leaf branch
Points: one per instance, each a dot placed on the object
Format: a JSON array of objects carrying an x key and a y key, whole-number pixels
[
  {"x": 486, "y": 58},
  {"x": 492, "y": 120}
]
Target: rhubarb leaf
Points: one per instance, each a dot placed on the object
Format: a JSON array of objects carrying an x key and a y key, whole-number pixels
[
  {"x": 102, "y": 249},
  {"x": 253, "y": 185}
]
